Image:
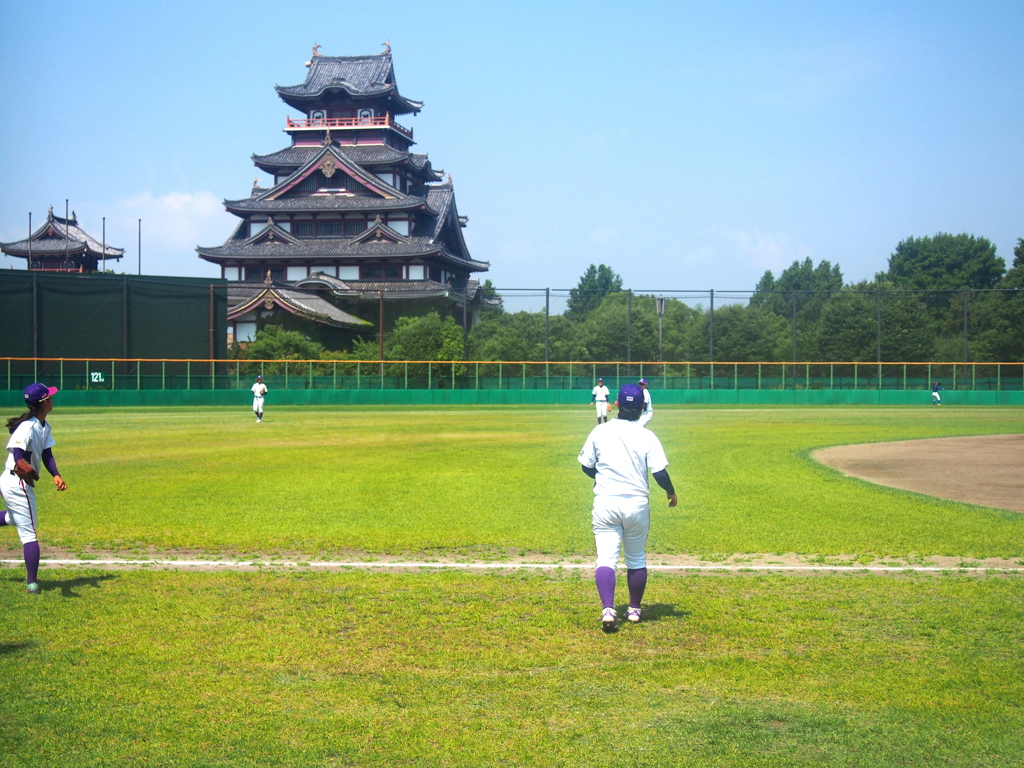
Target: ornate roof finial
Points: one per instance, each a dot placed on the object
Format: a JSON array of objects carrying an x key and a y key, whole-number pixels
[
  {"x": 387, "y": 48},
  {"x": 377, "y": 222},
  {"x": 316, "y": 50},
  {"x": 256, "y": 182},
  {"x": 269, "y": 280},
  {"x": 326, "y": 140},
  {"x": 449, "y": 178},
  {"x": 49, "y": 213}
]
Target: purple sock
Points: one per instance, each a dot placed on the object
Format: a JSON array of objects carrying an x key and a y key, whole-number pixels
[
  {"x": 636, "y": 578},
  {"x": 3, "y": 517},
  {"x": 31, "y": 551},
  {"x": 604, "y": 578}
]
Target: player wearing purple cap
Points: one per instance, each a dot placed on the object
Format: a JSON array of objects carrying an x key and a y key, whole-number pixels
[
  {"x": 30, "y": 447},
  {"x": 618, "y": 455}
]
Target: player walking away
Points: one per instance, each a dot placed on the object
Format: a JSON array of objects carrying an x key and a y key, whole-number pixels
[
  {"x": 617, "y": 455},
  {"x": 30, "y": 447},
  {"x": 599, "y": 397},
  {"x": 259, "y": 389},
  {"x": 936, "y": 398},
  {"x": 648, "y": 412}
]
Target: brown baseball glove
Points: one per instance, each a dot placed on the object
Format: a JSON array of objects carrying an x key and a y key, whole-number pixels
[{"x": 25, "y": 471}]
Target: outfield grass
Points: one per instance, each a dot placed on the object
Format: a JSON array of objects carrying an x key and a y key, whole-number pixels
[
  {"x": 456, "y": 669},
  {"x": 490, "y": 480},
  {"x": 295, "y": 668}
]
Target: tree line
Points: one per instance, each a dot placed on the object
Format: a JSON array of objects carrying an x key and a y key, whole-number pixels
[{"x": 942, "y": 298}]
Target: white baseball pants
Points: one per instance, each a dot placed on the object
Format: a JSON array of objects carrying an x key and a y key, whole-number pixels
[
  {"x": 20, "y": 498},
  {"x": 621, "y": 521}
]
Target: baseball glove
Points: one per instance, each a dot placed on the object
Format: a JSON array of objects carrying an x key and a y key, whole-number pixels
[{"x": 25, "y": 471}]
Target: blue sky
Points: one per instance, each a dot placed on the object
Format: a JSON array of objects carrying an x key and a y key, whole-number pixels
[{"x": 687, "y": 145}]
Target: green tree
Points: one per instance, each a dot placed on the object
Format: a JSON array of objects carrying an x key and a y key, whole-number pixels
[
  {"x": 596, "y": 283},
  {"x": 945, "y": 263},
  {"x": 997, "y": 318},
  {"x": 848, "y": 331},
  {"x": 509, "y": 336},
  {"x": 275, "y": 343}
]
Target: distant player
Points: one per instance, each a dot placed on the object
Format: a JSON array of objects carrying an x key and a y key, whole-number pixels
[
  {"x": 29, "y": 449},
  {"x": 936, "y": 397},
  {"x": 259, "y": 390},
  {"x": 648, "y": 412},
  {"x": 618, "y": 455},
  {"x": 599, "y": 397}
]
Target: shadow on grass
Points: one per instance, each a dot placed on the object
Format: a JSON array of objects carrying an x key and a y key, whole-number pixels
[
  {"x": 68, "y": 586},
  {"x": 9, "y": 649},
  {"x": 659, "y": 611}
]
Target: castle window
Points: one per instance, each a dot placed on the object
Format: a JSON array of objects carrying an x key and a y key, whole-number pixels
[
  {"x": 354, "y": 228},
  {"x": 371, "y": 273},
  {"x": 392, "y": 272},
  {"x": 328, "y": 229},
  {"x": 304, "y": 228}
]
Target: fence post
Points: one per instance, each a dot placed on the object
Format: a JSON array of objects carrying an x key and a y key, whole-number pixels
[
  {"x": 735, "y": 376},
  {"x": 524, "y": 375},
  {"x": 286, "y": 374},
  {"x": 878, "y": 323},
  {"x": 629, "y": 332},
  {"x": 499, "y": 376},
  {"x": 807, "y": 376},
  {"x": 711, "y": 327},
  {"x": 854, "y": 377},
  {"x": 954, "y": 377},
  {"x": 163, "y": 375},
  {"x": 188, "y": 374},
  {"x": 547, "y": 313},
  {"x": 86, "y": 375},
  {"x": 61, "y": 373},
  {"x": 430, "y": 375},
  {"x": 406, "y": 374},
  {"x": 966, "y": 294},
  {"x": 879, "y": 377},
  {"x": 113, "y": 376},
  {"x": 758, "y": 375},
  {"x": 711, "y": 371}
]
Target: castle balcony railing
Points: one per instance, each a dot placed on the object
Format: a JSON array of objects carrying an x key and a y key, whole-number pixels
[{"x": 385, "y": 121}]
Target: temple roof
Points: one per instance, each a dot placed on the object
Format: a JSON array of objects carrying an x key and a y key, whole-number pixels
[
  {"x": 328, "y": 249},
  {"x": 362, "y": 78},
  {"x": 365, "y": 154},
  {"x": 393, "y": 289},
  {"x": 57, "y": 236},
  {"x": 245, "y": 297}
]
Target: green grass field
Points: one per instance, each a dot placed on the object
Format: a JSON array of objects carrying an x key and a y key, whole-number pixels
[{"x": 283, "y": 667}]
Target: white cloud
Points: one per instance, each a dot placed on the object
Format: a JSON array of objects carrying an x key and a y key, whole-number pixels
[
  {"x": 603, "y": 235},
  {"x": 172, "y": 226},
  {"x": 763, "y": 251}
]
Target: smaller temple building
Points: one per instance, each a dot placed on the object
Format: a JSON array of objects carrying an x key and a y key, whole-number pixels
[{"x": 60, "y": 245}]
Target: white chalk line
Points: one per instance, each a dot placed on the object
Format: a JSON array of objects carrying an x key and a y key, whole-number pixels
[{"x": 273, "y": 564}]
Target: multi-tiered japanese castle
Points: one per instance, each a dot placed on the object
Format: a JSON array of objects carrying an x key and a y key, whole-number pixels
[{"x": 352, "y": 214}]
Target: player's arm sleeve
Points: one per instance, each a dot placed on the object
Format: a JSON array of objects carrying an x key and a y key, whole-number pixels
[
  {"x": 662, "y": 479},
  {"x": 20, "y": 454},
  {"x": 49, "y": 462},
  {"x": 588, "y": 456}
]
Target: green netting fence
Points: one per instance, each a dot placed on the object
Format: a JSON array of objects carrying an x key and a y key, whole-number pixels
[{"x": 151, "y": 381}]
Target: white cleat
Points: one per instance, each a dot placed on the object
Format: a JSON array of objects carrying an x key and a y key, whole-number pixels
[
  {"x": 633, "y": 615},
  {"x": 608, "y": 618}
]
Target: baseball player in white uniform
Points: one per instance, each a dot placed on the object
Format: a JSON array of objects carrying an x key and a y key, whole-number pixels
[
  {"x": 599, "y": 397},
  {"x": 29, "y": 449},
  {"x": 259, "y": 390},
  {"x": 648, "y": 412},
  {"x": 617, "y": 455}
]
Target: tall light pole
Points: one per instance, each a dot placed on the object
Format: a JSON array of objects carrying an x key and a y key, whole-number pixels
[{"x": 140, "y": 246}]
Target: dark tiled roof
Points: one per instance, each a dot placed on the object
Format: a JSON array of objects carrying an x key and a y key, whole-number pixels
[
  {"x": 330, "y": 249},
  {"x": 362, "y": 154},
  {"x": 242, "y": 297},
  {"x": 359, "y": 76},
  {"x": 342, "y": 203},
  {"x": 67, "y": 237}
]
